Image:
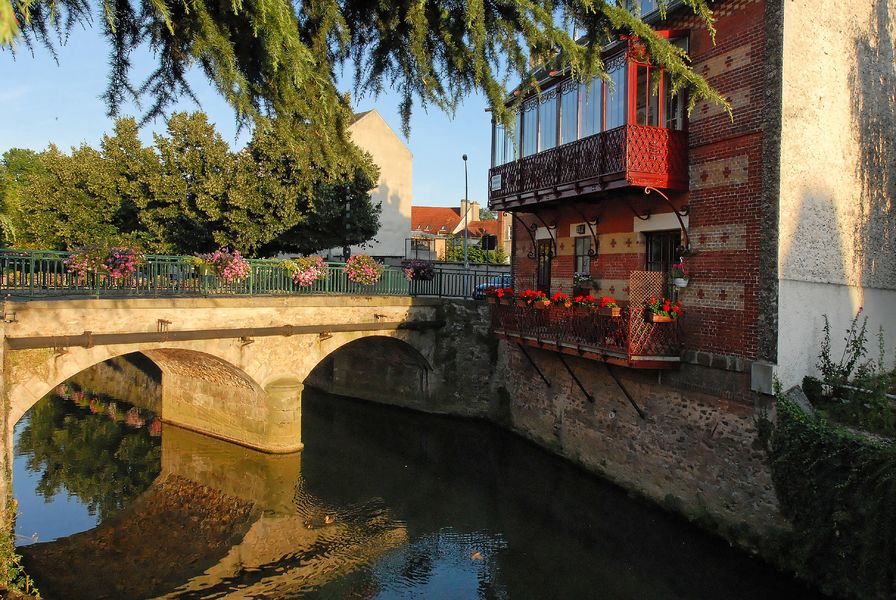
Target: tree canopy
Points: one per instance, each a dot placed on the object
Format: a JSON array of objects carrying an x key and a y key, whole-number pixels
[
  {"x": 280, "y": 57},
  {"x": 188, "y": 193}
]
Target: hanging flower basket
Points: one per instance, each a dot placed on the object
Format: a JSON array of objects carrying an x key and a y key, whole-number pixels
[
  {"x": 363, "y": 269},
  {"x": 306, "y": 270},
  {"x": 226, "y": 265},
  {"x": 680, "y": 274}
]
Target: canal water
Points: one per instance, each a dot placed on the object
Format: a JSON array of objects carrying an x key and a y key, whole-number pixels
[{"x": 382, "y": 503}]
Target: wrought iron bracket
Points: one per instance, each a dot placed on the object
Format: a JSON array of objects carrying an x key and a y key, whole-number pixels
[
  {"x": 576, "y": 379},
  {"x": 678, "y": 215},
  {"x": 592, "y": 224},
  {"x": 642, "y": 216},
  {"x": 530, "y": 229},
  {"x": 550, "y": 233},
  {"x": 534, "y": 366},
  {"x": 626, "y": 393}
]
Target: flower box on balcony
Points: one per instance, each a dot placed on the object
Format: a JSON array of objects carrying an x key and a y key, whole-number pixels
[
  {"x": 608, "y": 311},
  {"x": 654, "y": 318},
  {"x": 492, "y": 300}
]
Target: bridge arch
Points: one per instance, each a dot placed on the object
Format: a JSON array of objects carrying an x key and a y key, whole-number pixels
[{"x": 376, "y": 367}]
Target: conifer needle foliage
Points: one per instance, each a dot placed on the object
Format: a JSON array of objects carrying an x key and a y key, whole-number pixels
[{"x": 280, "y": 57}]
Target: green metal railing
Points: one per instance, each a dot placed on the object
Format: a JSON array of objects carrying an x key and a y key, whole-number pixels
[{"x": 39, "y": 273}]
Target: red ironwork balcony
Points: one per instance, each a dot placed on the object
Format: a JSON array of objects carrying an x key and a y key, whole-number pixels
[
  {"x": 631, "y": 155},
  {"x": 629, "y": 340}
]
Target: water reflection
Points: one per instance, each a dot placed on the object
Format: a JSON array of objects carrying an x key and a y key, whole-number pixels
[
  {"x": 382, "y": 503},
  {"x": 83, "y": 444}
]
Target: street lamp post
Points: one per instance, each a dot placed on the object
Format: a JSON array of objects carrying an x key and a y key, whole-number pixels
[{"x": 466, "y": 211}]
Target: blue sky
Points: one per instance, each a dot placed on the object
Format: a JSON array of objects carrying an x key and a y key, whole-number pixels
[{"x": 43, "y": 102}]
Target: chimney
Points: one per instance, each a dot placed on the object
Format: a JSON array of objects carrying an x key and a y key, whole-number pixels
[{"x": 474, "y": 211}]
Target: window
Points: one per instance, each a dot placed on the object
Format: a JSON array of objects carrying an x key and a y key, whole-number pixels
[
  {"x": 569, "y": 113},
  {"x": 591, "y": 106},
  {"x": 616, "y": 98},
  {"x": 547, "y": 121},
  {"x": 498, "y": 146},
  {"x": 662, "y": 248},
  {"x": 647, "y": 99},
  {"x": 582, "y": 257},
  {"x": 530, "y": 127},
  {"x": 673, "y": 107},
  {"x": 648, "y": 6},
  {"x": 509, "y": 147}
]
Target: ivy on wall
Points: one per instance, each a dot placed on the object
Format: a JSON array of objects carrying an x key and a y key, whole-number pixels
[{"x": 838, "y": 490}]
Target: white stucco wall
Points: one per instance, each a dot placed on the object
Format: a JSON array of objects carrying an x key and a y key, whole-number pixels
[
  {"x": 837, "y": 222},
  {"x": 371, "y": 133}
]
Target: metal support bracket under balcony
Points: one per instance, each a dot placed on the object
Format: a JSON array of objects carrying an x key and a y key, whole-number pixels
[
  {"x": 625, "y": 392},
  {"x": 551, "y": 229},
  {"x": 534, "y": 366},
  {"x": 592, "y": 224},
  {"x": 530, "y": 229},
  {"x": 576, "y": 379}
]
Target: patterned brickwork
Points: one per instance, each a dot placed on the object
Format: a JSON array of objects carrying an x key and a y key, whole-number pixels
[
  {"x": 727, "y": 295},
  {"x": 714, "y": 238},
  {"x": 717, "y": 173},
  {"x": 739, "y": 100}
]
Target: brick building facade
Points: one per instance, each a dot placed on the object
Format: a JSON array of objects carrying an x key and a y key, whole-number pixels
[{"x": 577, "y": 186}]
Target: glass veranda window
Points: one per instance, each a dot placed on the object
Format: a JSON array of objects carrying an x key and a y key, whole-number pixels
[
  {"x": 569, "y": 113},
  {"x": 498, "y": 145},
  {"x": 547, "y": 120},
  {"x": 616, "y": 97},
  {"x": 529, "y": 134},
  {"x": 592, "y": 103}
]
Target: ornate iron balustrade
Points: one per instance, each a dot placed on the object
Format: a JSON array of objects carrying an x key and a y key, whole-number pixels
[
  {"x": 637, "y": 155},
  {"x": 629, "y": 340}
]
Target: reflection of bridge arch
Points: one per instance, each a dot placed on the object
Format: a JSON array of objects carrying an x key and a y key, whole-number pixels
[{"x": 218, "y": 515}]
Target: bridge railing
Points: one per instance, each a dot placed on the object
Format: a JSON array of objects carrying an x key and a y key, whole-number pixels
[{"x": 42, "y": 273}]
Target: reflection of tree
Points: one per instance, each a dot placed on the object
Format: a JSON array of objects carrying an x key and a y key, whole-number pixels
[{"x": 101, "y": 461}]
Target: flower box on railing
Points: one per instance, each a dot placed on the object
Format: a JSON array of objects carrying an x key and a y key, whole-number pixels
[
  {"x": 608, "y": 311},
  {"x": 659, "y": 318}
]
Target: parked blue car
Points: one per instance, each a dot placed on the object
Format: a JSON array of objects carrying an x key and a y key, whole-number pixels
[{"x": 503, "y": 281}]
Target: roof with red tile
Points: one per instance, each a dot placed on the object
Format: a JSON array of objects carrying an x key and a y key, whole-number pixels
[
  {"x": 481, "y": 228},
  {"x": 434, "y": 219}
]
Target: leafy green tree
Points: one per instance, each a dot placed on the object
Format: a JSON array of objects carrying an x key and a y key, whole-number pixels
[
  {"x": 183, "y": 204},
  {"x": 342, "y": 214},
  {"x": 281, "y": 58},
  {"x": 454, "y": 252},
  {"x": 72, "y": 202},
  {"x": 134, "y": 169},
  {"x": 18, "y": 168}
]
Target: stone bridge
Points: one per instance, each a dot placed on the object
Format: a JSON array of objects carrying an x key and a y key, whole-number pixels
[{"x": 235, "y": 367}]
